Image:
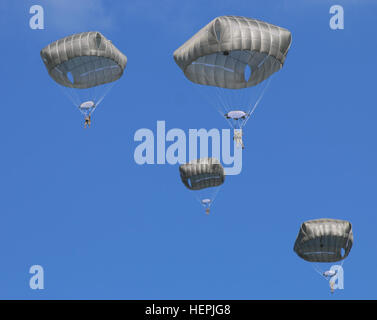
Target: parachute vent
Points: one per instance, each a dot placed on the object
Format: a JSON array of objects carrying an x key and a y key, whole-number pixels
[
  {"x": 247, "y": 73},
  {"x": 70, "y": 77}
]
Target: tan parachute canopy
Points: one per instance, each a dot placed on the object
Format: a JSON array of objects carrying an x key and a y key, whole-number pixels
[
  {"x": 219, "y": 53},
  {"x": 322, "y": 240},
  {"x": 202, "y": 173},
  {"x": 89, "y": 58}
]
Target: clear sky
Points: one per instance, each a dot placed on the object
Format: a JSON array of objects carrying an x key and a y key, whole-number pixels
[{"x": 75, "y": 202}]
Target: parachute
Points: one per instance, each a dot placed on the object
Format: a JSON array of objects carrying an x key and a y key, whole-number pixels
[
  {"x": 204, "y": 176},
  {"x": 324, "y": 241},
  {"x": 86, "y": 65},
  {"x": 233, "y": 54}
]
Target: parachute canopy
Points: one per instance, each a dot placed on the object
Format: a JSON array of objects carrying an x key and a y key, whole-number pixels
[
  {"x": 83, "y": 60},
  {"x": 236, "y": 115},
  {"x": 234, "y": 52},
  {"x": 202, "y": 173},
  {"x": 323, "y": 240},
  {"x": 87, "y": 105}
]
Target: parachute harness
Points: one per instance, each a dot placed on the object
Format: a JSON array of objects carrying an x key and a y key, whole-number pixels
[{"x": 238, "y": 138}]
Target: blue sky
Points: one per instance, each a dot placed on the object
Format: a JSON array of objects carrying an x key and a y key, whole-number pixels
[{"x": 103, "y": 227}]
